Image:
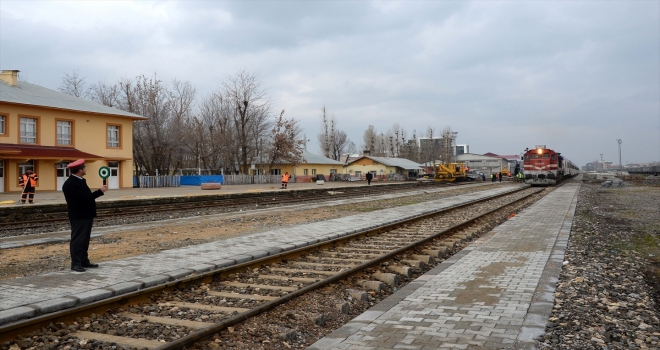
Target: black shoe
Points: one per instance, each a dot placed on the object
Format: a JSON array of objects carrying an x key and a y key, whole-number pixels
[
  {"x": 78, "y": 268},
  {"x": 90, "y": 265}
]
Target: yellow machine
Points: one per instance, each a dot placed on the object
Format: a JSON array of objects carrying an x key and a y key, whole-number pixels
[{"x": 450, "y": 172}]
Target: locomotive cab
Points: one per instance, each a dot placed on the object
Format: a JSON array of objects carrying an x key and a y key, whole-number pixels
[{"x": 544, "y": 167}]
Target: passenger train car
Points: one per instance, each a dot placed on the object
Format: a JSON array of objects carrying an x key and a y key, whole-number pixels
[{"x": 545, "y": 167}]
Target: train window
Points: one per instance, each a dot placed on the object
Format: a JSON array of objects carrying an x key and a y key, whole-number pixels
[
  {"x": 535, "y": 156},
  {"x": 554, "y": 157},
  {"x": 526, "y": 157},
  {"x": 546, "y": 156}
]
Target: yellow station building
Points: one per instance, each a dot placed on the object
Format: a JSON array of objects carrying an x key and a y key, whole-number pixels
[{"x": 44, "y": 130}]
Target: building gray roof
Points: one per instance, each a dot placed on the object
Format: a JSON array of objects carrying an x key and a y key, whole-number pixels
[
  {"x": 308, "y": 158},
  {"x": 35, "y": 95},
  {"x": 395, "y": 162},
  {"x": 312, "y": 158}
]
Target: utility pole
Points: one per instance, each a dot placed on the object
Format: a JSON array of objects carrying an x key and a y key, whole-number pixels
[{"x": 620, "y": 166}]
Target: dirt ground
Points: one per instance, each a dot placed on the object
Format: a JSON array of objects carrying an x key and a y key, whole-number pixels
[{"x": 33, "y": 260}]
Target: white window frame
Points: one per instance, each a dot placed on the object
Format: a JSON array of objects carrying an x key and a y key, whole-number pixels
[
  {"x": 113, "y": 136},
  {"x": 313, "y": 171},
  {"x": 27, "y": 135},
  {"x": 25, "y": 166},
  {"x": 3, "y": 123},
  {"x": 64, "y": 138}
]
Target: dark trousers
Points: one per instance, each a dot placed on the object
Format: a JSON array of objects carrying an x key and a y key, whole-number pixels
[
  {"x": 81, "y": 230},
  {"x": 28, "y": 190}
]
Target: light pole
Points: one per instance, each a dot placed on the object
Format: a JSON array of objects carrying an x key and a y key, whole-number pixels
[{"x": 620, "y": 166}]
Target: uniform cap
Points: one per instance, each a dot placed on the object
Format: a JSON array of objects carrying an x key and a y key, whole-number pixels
[{"x": 76, "y": 164}]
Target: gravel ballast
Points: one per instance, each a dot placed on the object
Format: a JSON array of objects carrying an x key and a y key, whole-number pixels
[{"x": 607, "y": 296}]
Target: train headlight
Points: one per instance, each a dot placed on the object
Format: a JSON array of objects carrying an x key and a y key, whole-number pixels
[{"x": 539, "y": 151}]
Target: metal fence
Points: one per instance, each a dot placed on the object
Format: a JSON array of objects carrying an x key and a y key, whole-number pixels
[
  {"x": 157, "y": 181},
  {"x": 252, "y": 179}
]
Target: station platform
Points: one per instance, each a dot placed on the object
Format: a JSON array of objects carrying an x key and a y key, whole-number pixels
[
  {"x": 497, "y": 293},
  {"x": 57, "y": 197},
  {"x": 40, "y": 294}
]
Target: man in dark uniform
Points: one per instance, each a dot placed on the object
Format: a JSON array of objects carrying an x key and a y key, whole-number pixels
[
  {"x": 369, "y": 176},
  {"x": 81, "y": 203}
]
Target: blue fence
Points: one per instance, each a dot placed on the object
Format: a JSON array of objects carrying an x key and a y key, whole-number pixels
[{"x": 198, "y": 180}]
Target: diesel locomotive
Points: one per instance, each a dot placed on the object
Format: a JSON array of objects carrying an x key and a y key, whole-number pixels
[{"x": 545, "y": 167}]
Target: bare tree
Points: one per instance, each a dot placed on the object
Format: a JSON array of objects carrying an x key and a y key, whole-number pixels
[
  {"x": 370, "y": 139},
  {"x": 104, "y": 94},
  {"x": 250, "y": 115},
  {"x": 73, "y": 84},
  {"x": 157, "y": 140},
  {"x": 447, "y": 145},
  {"x": 286, "y": 146},
  {"x": 410, "y": 148},
  {"x": 325, "y": 138},
  {"x": 214, "y": 142},
  {"x": 333, "y": 142}
]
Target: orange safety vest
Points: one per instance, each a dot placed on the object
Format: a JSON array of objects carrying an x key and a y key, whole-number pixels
[
  {"x": 31, "y": 178},
  {"x": 285, "y": 177}
]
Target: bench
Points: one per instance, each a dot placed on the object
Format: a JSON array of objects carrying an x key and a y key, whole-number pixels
[{"x": 211, "y": 186}]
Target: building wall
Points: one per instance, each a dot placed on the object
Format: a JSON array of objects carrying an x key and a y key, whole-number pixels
[
  {"x": 366, "y": 165},
  {"x": 484, "y": 164},
  {"x": 298, "y": 170},
  {"x": 89, "y": 134}
]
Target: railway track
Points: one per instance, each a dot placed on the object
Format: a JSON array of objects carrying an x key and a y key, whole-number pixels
[
  {"x": 20, "y": 223},
  {"x": 183, "y": 313}
]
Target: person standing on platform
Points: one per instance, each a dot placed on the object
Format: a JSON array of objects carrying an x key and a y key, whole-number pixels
[
  {"x": 285, "y": 179},
  {"x": 81, "y": 204},
  {"x": 369, "y": 176},
  {"x": 492, "y": 177},
  {"x": 29, "y": 183}
]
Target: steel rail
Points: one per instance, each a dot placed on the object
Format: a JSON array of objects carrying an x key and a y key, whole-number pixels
[
  {"x": 202, "y": 203},
  {"x": 184, "y": 342},
  {"x": 8, "y": 331}
]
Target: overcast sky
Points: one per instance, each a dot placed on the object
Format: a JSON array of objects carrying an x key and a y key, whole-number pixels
[{"x": 506, "y": 75}]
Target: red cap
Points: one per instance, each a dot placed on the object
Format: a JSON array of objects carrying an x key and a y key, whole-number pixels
[{"x": 76, "y": 164}]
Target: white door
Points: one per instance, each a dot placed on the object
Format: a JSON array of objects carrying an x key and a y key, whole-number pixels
[
  {"x": 113, "y": 180},
  {"x": 2, "y": 176},
  {"x": 62, "y": 174}
]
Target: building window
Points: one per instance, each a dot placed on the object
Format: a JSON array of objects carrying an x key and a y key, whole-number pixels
[
  {"x": 113, "y": 136},
  {"x": 275, "y": 172},
  {"x": 313, "y": 171},
  {"x": 3, "y": 124},
  {"x": 63, "y": 132},
  {"x": 333, "y": 171},
  {"x": 304, "y": 171},
  {"x": 24, "y": 167},
  {"x": 28, "y": 130}
]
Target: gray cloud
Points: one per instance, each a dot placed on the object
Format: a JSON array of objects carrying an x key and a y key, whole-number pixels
[{"x": 506, "y": 75}]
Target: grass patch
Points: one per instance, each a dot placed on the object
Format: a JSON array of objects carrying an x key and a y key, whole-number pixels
[{"x": 646, "y": 244}]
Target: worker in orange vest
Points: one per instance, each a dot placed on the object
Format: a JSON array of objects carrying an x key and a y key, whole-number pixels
[
  {"x": 29, "y": 183},
  {"x": 285, "y": 180}
]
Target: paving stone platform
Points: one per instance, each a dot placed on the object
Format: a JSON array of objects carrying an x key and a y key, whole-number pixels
[
  {"x": 34, "y": 295},
  {"x": 497, "y": 293}
]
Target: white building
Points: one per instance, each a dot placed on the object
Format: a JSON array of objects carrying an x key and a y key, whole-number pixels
[{"x": 481, "y": 163}]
